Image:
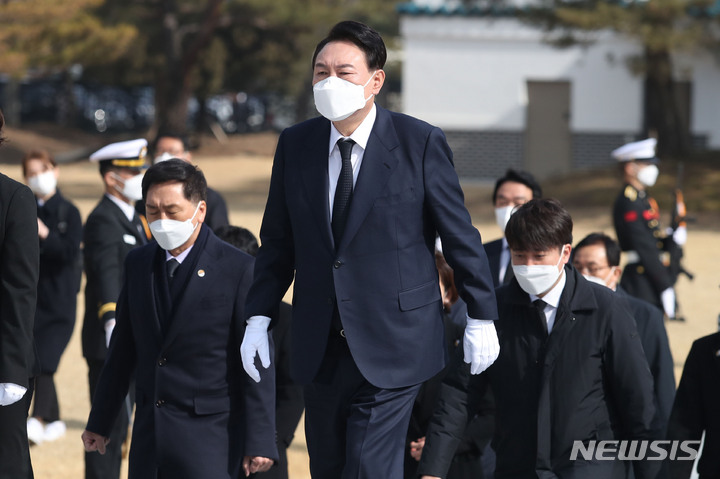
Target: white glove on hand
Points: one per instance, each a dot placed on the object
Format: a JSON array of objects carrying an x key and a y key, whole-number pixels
[
  {"x": 680, "y": 235},
  {"x": 480, "y": 344},
  {"x": 668, "y": 301},
  {"x": 11, "y": 393},
  {"x": 255, "y": 342},
  {"x": 109, "y": 326}
]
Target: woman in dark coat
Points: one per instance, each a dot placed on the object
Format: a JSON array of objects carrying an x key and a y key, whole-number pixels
[{"x": 59, "y": 233}]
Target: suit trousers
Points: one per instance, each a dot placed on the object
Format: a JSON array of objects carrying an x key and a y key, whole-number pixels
[
  {"x": 46, "y": 406},
  {"x": 106, "y": 466},
  {"x": 353, "y": 429},
  {"x": 14, "y": 446}
]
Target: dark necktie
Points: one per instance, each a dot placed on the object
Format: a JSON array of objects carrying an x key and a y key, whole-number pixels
[
  {"x": 343, "y": 192},
  {"x": 171, "y": 266},
  {"x": 540, "y": 308}
]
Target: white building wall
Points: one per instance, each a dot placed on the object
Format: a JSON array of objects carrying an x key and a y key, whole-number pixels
[
  {"x": 469, "y": 73},
  {"x": 703, "y": 70}
]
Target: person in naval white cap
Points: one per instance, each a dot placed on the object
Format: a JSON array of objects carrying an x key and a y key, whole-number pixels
[
  {"x": 110, "y": 232},
  {"x": 637, "y": 224}
]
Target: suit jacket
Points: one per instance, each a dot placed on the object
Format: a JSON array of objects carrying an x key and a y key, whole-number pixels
[
  {"x": 493, "y": 249},
  {"x": 464, "y": 458},
  {"x": 108, "y": 237},
  {"x": 587, "y": 380},
  {"x": 695, "y": 409},
  {"x": 382, "y": 276},
  {"x": 57, "y": 286},
  {"x": 19, "y": 267},
  {"x": 651, "y": 326},
  {"x": 197, "y": 412}
]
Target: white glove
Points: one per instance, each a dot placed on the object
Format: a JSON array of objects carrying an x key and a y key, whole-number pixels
[
  {"x": 255, "y": 342},
  {"x": 480, "y": 344},
  {"x": 668, "y": 301},
  {"x": 109, "y": 326},
  {"x": 680, "y": 235},
  {"x": 11, "y": 393}
]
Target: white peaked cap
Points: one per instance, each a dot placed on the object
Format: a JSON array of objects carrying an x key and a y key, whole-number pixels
[
  {"x": 128, "y": 154},
  {"x": 638, "y": 150}
]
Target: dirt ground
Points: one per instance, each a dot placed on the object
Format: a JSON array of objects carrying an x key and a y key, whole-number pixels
[{"x": 242, "y": 177}]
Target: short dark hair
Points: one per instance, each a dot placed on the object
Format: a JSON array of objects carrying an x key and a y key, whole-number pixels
[
  {"x": 171, "y": 134},
  {"x": 612, "y": 248},
  {"x": 539, "y": 225},
  {"x": 2, "y": 123},
  {"x": 239, "y": 237},
  {"x": 364, "y": 37},
  {"x": 193, "y": 180},
  {"x": 518, "y": 176}
]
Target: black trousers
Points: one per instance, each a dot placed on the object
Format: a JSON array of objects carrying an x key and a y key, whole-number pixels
[
  {"x": 46, "y": 405},
  {"x": 354, "y": 429},
  {"x": 106, "y": 466},
  {"x": 14, "y": 446}
]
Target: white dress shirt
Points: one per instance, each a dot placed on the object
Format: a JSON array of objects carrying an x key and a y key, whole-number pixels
[
  {"x": 127, "y": 209},
  {"x": 360, "y": 136},
  {"x": 504, "y": 261},
  {"x": 179, "y": 258}
]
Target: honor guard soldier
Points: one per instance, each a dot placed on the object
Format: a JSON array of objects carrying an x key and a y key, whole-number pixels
[
  {"x": 111, "y": 231},
  {"x": 637, "y": 225}
]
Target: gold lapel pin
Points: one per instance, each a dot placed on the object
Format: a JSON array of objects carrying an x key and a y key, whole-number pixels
[{"x": 201, "y": 273}]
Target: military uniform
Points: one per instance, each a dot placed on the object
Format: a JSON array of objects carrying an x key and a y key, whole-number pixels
[
  {"x": 637, "y": 225},
  {"x": 108, "y": 236}
]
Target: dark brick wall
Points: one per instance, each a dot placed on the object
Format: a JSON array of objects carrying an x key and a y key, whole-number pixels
[{"x": 485, "y": 154}]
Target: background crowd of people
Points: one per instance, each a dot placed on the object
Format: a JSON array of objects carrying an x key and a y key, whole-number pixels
[{"x": 580, "y": 352}]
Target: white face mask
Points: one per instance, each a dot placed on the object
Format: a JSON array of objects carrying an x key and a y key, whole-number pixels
[
  {"x": 600, "y": 281},
  {"x": 537, "y": 278},
  {"x": 164, "y": 157},
  {"x": 502, "y": 216},
  {"x": 171, "y": 234},
  {"x": 648, "y": 175},
  {"x": 43, "y": 184},
  {"x": 132, "y": 187},
  {"x": 337, "y": 99}
]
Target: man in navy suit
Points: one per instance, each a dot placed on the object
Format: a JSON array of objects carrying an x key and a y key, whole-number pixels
[
  {"x": 180, "y": 318},
  {"x": 19, "y": 269},
  {"x": 514, "y": 189},
  {"x": 356, "y": 200}
]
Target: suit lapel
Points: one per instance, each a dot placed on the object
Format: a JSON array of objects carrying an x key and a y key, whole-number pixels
[
  {"x": 314, "y": 171},
  {"x": 151, "y": 288},
  {"x": 379, "y": 162},
  {"x": 202, "y": 278},
  {"x": 126, "y": 224}
]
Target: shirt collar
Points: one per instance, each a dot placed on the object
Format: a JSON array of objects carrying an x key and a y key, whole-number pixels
[
  {"x": 181, "y": 257},
  {"x": 360, "y": 136},
  {"x": 127, "y": 209},
  {"x": 552, "y": 297}
]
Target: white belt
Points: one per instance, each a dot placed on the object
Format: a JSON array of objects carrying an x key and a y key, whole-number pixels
[{"x": 631, "y": 257}]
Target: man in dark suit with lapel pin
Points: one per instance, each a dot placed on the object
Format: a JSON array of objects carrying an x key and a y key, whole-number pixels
[
  {"x": 515, "y": 188},
  {"x": 356, "y": 200},
  {"x": 180, "y": 319},
  {"x": 571, "y": 368},
  {"x": 112, "y": 229},
  {"x": 19, "y": 269}
]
